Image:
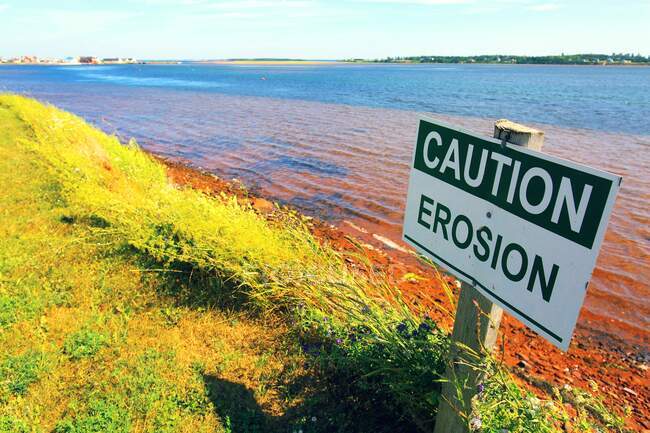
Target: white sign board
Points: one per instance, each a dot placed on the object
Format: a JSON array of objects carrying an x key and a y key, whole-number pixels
[{"x": 522, "y": 227}]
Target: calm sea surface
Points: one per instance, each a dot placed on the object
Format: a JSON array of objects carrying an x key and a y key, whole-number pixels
[{"x": 336, "y": 141}]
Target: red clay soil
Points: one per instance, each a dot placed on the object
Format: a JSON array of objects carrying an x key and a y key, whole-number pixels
[{"x": 618, "y": 368}]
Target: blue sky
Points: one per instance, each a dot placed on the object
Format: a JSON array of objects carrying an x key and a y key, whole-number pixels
[{"x": 320, "y": 29}]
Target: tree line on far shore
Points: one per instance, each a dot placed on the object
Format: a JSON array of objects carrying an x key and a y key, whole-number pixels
[{"x": 563, "y": 59}]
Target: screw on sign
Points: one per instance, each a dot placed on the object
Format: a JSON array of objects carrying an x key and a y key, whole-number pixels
[{"x": 519, "y": 228}]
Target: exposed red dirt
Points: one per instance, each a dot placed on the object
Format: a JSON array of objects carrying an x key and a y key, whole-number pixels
[{"x": 618, "y": 368}]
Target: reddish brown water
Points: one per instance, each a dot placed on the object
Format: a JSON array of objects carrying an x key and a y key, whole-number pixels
[{"x": 350, "y": 164}]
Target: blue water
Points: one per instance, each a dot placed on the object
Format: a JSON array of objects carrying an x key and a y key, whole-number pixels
[
  {"x": 336, "y": 141},
  {"x": 615, "y": 99}
]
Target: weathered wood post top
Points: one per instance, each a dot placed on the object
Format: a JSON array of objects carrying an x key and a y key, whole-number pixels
[{"x": 517, "y": 133}]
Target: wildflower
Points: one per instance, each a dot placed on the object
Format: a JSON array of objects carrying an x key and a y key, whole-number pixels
[
  {"x": 475, "y": 424},
  {"x": 401, "y": 328},
  {"x": 628, "y": 411},
  {"x": 480, "y": 388},
  {"x": 339, "y": 341},
  {"x": 365, "y": 309},
  {"x": 424, "y": 328},
  {"x": 534, "y": 402}
]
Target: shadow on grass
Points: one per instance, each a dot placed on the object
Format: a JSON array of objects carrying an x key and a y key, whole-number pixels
[
  {"x": 186, "y": 285},
  {"x": 236, "y": 406},
  {"x": 179, "y": 281},
  {"x": 322, "y": 409}
]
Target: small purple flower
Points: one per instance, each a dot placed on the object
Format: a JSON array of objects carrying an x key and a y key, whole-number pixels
[
  {"x": 424, "y": 328},
  {"x": 401, "y": 328},
  {"x": 480, "y": 388},
  {"x": 339, "y": 341}
]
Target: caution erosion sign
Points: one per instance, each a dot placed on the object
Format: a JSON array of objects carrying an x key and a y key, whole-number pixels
[{"x": 522, "y": 227}]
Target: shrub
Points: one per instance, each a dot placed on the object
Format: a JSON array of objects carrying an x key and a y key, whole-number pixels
[
  {"x": 9, "y": 424},
  {"x": 18, "y": 372},
  {"x": 83, "y": 344},
  {"x": 102, "y": 416}
]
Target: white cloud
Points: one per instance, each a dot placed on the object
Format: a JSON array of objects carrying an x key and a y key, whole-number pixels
[
  {"x": 420, "y": 2},
  {"x": 236, "y": 15},
  {"x": 229, "y": 4},
  {"x": 172, "y": 2},
  {"x": 501, "y": 5},
  {"x": 476, "y": 6},
  {"x": 248, "y": 10},
  {"x": 544, "y": 7},
  {"x": 76, "y": 21},
  {"x": 3, "y": 7},
  {"x": 260, "y": 4}
]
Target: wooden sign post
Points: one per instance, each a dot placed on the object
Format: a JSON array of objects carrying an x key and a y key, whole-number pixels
[{"x": 477, "y": 321}]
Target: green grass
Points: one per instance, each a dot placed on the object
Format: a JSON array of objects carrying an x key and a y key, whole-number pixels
[
  {"x": 100, "y": 416},
  {"x": 83, "y": 344},
  {"x": 10, "y": 424},
  {"x": 20, "y": 371},
  {"x": 135, "y": 305}
]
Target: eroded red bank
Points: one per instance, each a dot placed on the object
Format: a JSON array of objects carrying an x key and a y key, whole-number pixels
[{"x": 618, "y": 367}]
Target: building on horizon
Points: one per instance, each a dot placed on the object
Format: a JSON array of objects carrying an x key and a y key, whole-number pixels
[{"x": 92, "y": 60}]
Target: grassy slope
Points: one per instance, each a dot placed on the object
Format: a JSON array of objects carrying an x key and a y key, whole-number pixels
[
  {"x": 100, "y": 336},
  {"x": 92, "y": 343},
  {"x": 128, "y": 304}
]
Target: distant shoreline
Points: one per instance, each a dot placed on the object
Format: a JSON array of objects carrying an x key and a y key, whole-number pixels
[
  {"x": 500, "y": 64},
  {"x": 579, "y": 59},
  {"x": 563, "y": 59},
  {"x": 270, "y": 62},
  {"x": 320, "y": 63}
]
